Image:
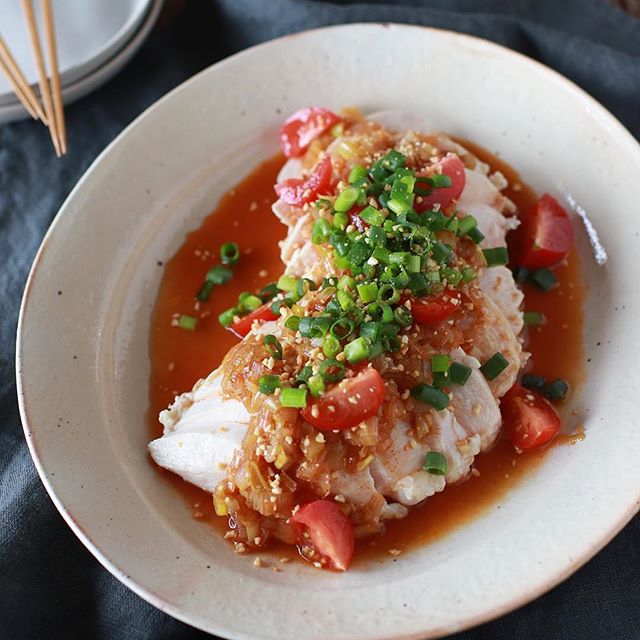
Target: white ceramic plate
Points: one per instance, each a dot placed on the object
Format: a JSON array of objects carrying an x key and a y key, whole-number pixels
[
  {"x": 73, "y": 90},
  {"x": 82, "y": 355},
  {"x": 87, "y": 34}
]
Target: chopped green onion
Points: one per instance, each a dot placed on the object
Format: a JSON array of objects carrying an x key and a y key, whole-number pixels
[
  {"x": 296, "y": 398},
  {"x": 205, "y": 291},
  {"x": 248, "y": 302},
  {"x": 418, "y": 284},
  {"x": 439, "y": 180},
  {"x": 187, "y": 322},
  {"x": 316, "y": 385},
  {"x": 268, "y": 384},
  {"x": 435, "y": 463},
  {"x": 544, "y": 279},
  {"x": 476, "y": 235},
  {"x": 340, "y": 220},
  {"x": 459, "y": 373},
  {"x": 465, "y": 224},
  {"x": 311, "y": 327},
  {"x": 226, "y": 317},
  {"x": 304, "y": 285},
  {"x": 357, "y": 350},
  {"x": 292, "y": 322},
  {"x": 341, "y": 328},
  {"x": 377, "y": 237},
  {"x": 494, "y": 366},
  {"x": 441, "y": 252},
  {"x": 346, "y": 300},
  {"x": 345, "y": 283},
  {"x": 229, "y": 253},
  {"x": 367, "y": 292},
  {"x": 273, "y": 346},
  {"x": 305, "y": 374},
  {"x": 557, "y": 389},
  {"x": 398, "y": 206},
  {"x": 387, "y": 293},
  {"x": 346, "y": 199},
  {"x": 403, "y": 316},
  {"x": 440, "y": 363},
  {"x": 330, "y": 346},
  {"x": 357, "y": 173},
  {"x": 359, "y": 253},
  {"x": 268, "y": 292},
  {"x": 533, "y": 318},
  {"x": 536, "y": 383},
  {"x": 393, "y": 161},
  {"x": 520, "y": 274},
  {"x": 320, "y": 231},
  {"x": 370, "y": 330},
  {"x": 219, "y": 275},
  {"x": 468, "y": 274},
  {"x": 386, "y": 313},
  {"x": 287, "y": 283},
  {"x": 441, "y": 380},
  {"x": 430, "y": 395},
  {"x": 413, "y": 264},
  {"x": 496, "y": 256},
  {"x": 332, "y": 370},
  {"x": 372, "y": 216}
]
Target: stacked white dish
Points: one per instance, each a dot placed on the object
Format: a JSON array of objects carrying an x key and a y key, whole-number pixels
[{"x": 95, "y": 40}]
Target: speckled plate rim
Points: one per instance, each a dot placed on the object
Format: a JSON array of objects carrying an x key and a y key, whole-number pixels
[{"x": 633, "y": 503}]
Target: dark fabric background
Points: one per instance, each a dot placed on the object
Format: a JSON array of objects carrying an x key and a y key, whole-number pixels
[{"x": 50, "y": 586}]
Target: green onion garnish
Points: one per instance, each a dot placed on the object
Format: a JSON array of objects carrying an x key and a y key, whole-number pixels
[
  {"x": 341, "y": 328},
  {"x": 403, "y": 316},
  {"x": 248, "y": 302},
  {"x": 346, "y": 199},
  {"x": 468, "y": 274},
  {"x": 496, "y": 256},
  {"x": 304, "y": 375},
  {"x": 465, "y": 224},
  {"x": 388, "y": 293},
  {"x": 187, "y": 322},
  {"x": 441, "y": 252},
  {"x": 330, "y": 346},
  {"x": 439, "y": 180},
  {"x": 476, "y": 235},
  {"x": 316, "y": 385},
  {"x": 320, "y": 231},
  {"x": 494, "y": 366},
  {"x": 229, "y": 253},
  {"x": 357, "y": 350},
  {"x": 557, "y": 389},
  {"x": 268, "y": 384},
  {"x": 332, "y": 370},
  {"x": 430, "y": 395},
  {"x": 520, "y": 274},
  {"x": 296, "y": 398},
  {"x": 435, "y": 463},
  {"x": 372, "y": 216},
  {"x": 530, "y": 381},
  {"x": 367, "y": 292},
  {"x": 358, "y": 172},
  {"x": 340, "y": 220},
  {"x": 544, "y": 279},
  {"x": 268, "y": 292},
  {"x": 287, "y": 283},
  {"x": 533, "y": 318},
  {"x": 273, "y": 346},
  {"x": 292, "y": 322},
  {"x": 440, "y": 363},
  {"x": 205, "y": 291},
  {"x": 226, "y": 317},
  {"x": 459, "y": 373},
  {"x": 219, "y": 275}
]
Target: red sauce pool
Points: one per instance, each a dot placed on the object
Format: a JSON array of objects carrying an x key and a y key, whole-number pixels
[{"x": 180, "y": 357}]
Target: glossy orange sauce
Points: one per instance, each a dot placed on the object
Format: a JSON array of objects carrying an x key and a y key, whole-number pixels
[{"x": 180, "y": 357}]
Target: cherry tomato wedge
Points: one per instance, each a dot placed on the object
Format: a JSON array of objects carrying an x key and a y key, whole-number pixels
[
  {"x": 547, "y": 234},
  {"x": 299, "y": 191},
  {"x": 347, "y": 404},
  {"x": 529, "y": 419},
  {"x": 303, "y": 127},
  {"x": 329, "y": 531},
  {"x": 451, "y": 166},
  {"x": 242, "y": 327},
  {"x": 432, "y": 310}
]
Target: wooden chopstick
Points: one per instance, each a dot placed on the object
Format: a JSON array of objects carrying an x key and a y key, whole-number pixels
[
  {"x": 49, "y": 31},
  {"x": 19, "y": 83},
  {"x": 43, "y": 81}
]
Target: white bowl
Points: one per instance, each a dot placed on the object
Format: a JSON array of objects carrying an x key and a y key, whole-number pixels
[{"x": 83, "y": 337}]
